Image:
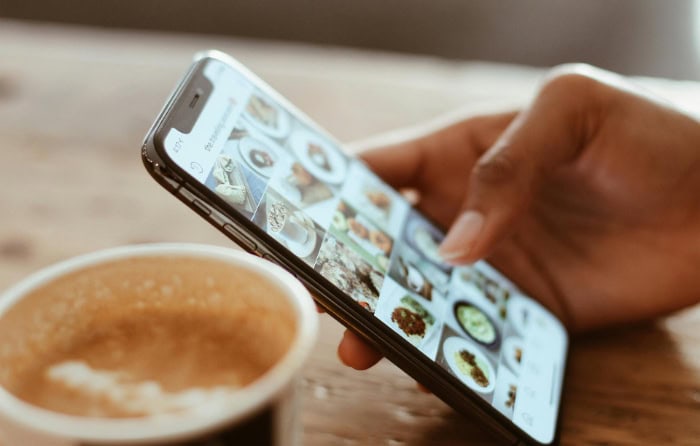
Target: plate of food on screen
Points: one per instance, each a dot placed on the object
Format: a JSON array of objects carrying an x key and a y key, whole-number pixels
[
  {"x": 267, "y": 116},
  {"x": 258, "y": 155},
  {"x": 375, "y": 201},
  {"x": 476, "y": 324},
  {"x": 319, "y": 156},
  {"x": 299, "y": 186},
  {"x": 349, "y": 272},
  {"x": 468, "y": 363},
  {"x": 291, "y": 227},
  {"x": 425, "y": 238},
  {"x": 359, "y": 233},
  {"x": 371, "y": 239},
  {"x": 412, "y": 319},
  {"x": 379, "y": 199},
  {"x": 494, "y": 291},
  {"x": 414, "y": 279}
]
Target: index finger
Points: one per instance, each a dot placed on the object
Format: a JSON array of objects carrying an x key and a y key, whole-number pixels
[
  {"x": 398, "y": 164},
  {"x": 404, "y": 158}
]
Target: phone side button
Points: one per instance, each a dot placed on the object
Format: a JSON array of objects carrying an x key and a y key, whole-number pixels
[
  {"x": 201, "y": 206},
  {"x": 274, "y": 259},
  {"x": 248, "y": 244},
  {"x": 270, "y": 258}
]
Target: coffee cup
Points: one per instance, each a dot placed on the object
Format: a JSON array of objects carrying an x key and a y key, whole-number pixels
[
  {"x": 283, "y": 223},
  {"x": 154, "y": 345}
]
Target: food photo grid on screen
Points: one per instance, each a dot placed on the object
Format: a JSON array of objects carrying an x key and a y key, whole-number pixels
[{"x": 337, "y": 216}]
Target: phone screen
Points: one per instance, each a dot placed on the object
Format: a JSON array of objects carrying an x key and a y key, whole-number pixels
[{"x": 277, "y": 169}]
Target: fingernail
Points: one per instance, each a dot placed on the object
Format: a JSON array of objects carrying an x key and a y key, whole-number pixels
[{"x": 462, "y": 236}]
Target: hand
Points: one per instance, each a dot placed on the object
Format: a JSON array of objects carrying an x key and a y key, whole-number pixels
[{"x": 589, "y": 199}]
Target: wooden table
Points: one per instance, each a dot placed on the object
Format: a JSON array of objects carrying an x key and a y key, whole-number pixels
[{"x": 75, "y": 104}]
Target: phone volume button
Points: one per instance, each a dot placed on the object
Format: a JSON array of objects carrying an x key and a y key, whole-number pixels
[
  {"x": 270, "y": 258},
  {"x": 274, "y": 259},
  {"x": 247, "y": 243},
  {"x": 201, "y": 206}
]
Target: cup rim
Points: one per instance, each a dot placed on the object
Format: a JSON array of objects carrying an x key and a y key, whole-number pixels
[{"x": 249, "y": 400}]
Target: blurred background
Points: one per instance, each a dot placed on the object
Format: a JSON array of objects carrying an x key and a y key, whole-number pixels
[
  {"x": 82, "y": 81},
  {"x": 640, "y": 37}
]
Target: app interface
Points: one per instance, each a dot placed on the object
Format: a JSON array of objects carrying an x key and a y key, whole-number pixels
[{"x": 329, "y": 210}]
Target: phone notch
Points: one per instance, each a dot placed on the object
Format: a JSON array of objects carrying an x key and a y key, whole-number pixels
[
  {"x": 191, "y": 103},
  {"x": 195, "y": 97}
]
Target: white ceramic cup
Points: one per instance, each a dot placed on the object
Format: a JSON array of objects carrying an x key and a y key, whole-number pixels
[{"x": 262, "y": 413}]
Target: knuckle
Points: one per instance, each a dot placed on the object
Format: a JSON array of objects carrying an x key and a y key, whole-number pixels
[
  {"x": 573, "y": 68},
  {"x": 575, "y": 81},
  {"x": 574, "y": 89},
  {"x": 495, "y": 170}
]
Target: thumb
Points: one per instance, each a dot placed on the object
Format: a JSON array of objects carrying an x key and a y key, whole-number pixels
[{"x": 504, "y": 181}]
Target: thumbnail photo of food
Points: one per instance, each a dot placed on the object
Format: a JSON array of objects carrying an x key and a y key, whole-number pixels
[
  {"x": 360, "y": 234},
  {"x": 289, "y": 226},
  {"x": 350, "y": 272},
  {"x": 526, "y": 314},
  {"x": 379, "y": 202},
  {"x": 476, "y": 324},
  {"x": 468, "y": 362},
  {"x": 519, "y": 315},
  {"x": 418, "y": 274},
  {"x": 319, "y": 156},
  {"x": 265, "y": 115},
  {"x": 425, "y": 238},
  {"x": 512, "y": 353},
  {"x": 239, "y": 186},
  {"x": 299, "y": 186},
  {"x": 414, "y": 318},
  {"x": 304, "y": 190},
  {"x": 254, "y": 150},
  {"x": 486, "y": 285},
  {"x": 506, "y": 392}
]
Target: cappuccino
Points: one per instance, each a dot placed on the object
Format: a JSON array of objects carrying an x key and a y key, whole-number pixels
[{"x": 143, "y": 336}]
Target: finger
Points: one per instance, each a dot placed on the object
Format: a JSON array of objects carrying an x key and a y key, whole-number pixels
[
  {"x": 320, "y": 309},
  {"x": 355, "y": 353},
  {"x": 398, "y": 164},
  {"x": 405, "y": 156},
  {"x": 422, "y": 388},
  {"x": 406, "y": 162},
  {"x": 551, "y": 132}
]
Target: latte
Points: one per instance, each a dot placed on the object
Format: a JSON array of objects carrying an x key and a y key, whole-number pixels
[{"x": 143, "y": 336}]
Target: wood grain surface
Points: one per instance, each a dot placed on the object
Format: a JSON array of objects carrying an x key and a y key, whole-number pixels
[{"x": 75, "y": 104}]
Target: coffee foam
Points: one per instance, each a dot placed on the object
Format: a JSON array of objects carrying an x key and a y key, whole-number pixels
[
  {"x": 145, "y": 398},
  {"x": 179, "y": 329}
]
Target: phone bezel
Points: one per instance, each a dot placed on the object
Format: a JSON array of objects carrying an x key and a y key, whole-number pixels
[{"x": 213, "y": 208}]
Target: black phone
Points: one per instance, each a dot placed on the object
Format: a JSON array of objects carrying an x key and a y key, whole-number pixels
[{"x": 262, "y": 172}]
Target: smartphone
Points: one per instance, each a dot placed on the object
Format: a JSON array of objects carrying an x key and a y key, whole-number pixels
[{"x": 262, "y": 172}]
